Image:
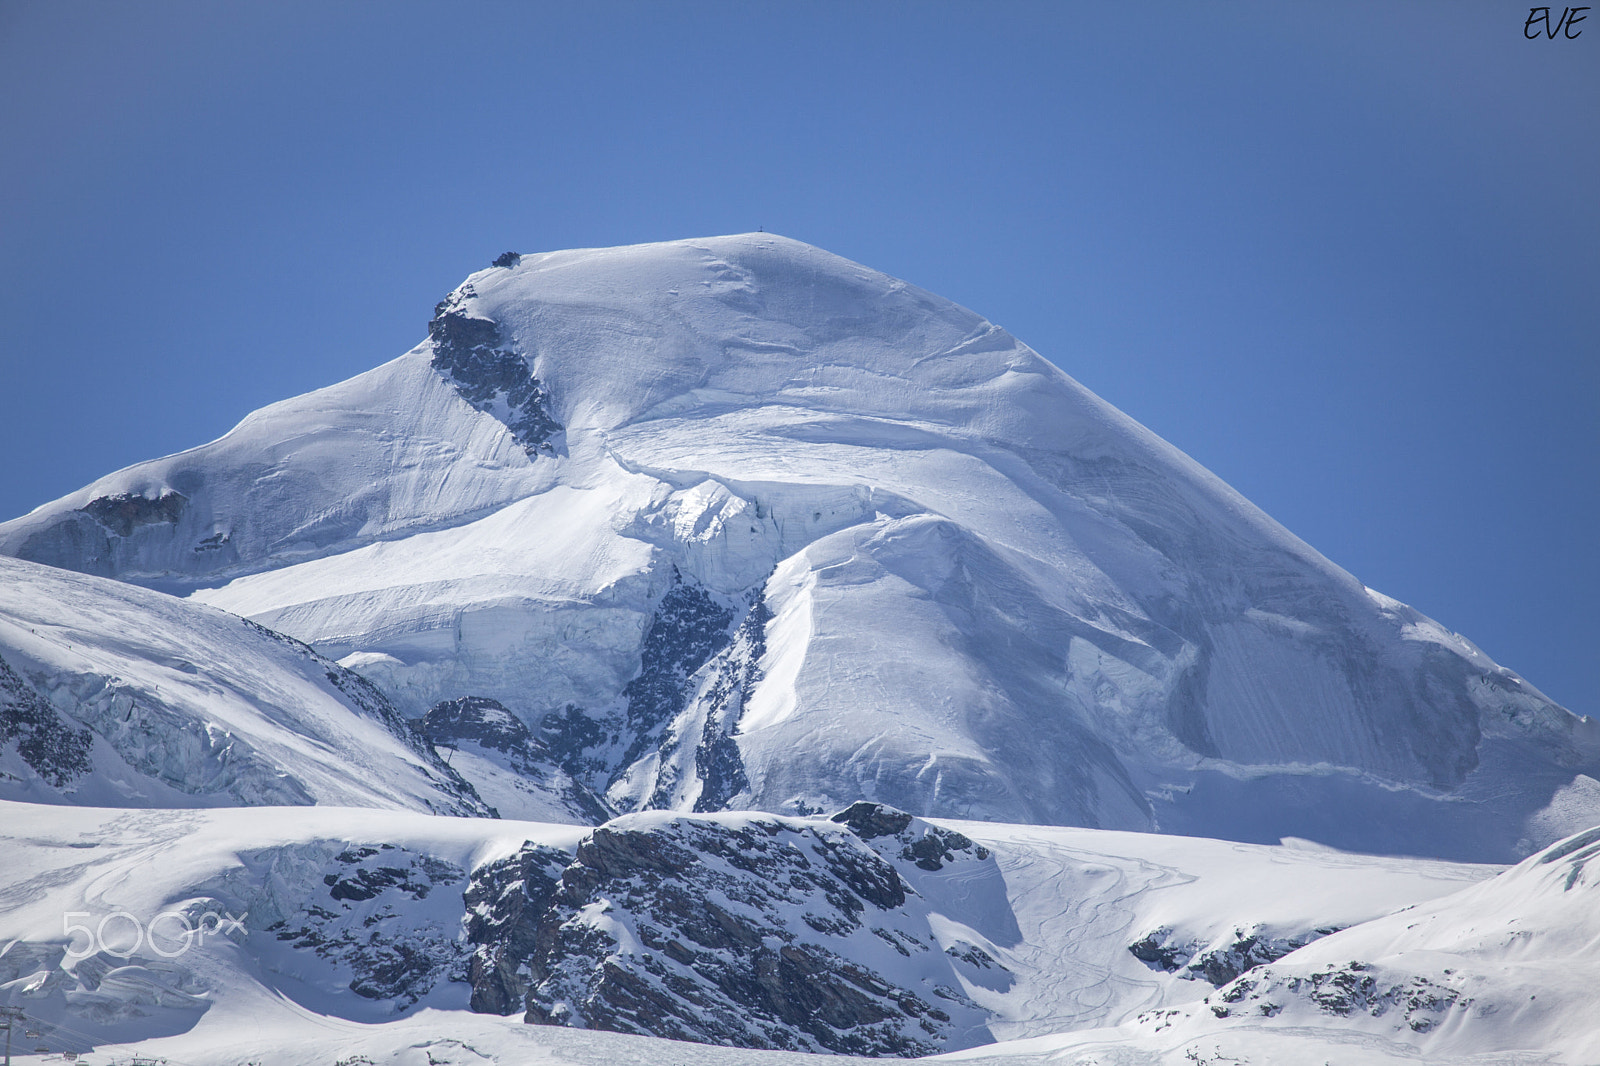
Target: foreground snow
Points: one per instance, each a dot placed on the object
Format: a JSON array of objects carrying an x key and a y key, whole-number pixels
[
  {"x": 1054, "y": 910},
  {"x": 1500, "y": 972}
]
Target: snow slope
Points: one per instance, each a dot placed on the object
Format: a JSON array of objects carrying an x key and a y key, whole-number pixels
[
  {"x": 150, "y": 701},
  {"x": 737, "y": 523},
  {"x": 1499, "y": 972},
  {"x": 353, "y": 935}
]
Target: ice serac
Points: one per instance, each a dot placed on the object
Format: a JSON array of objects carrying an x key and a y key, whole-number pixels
[
  {"x": 979, "y": 590},
  {"x": 112, "y": 695}
]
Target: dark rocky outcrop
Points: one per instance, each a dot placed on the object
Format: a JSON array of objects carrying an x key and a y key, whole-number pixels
[
  {"x": 94, "y": 538},
  {"x": 1422, "y": 1003},
  {"x": 717, "y": 758},
  {"x": 485, "y": 724},
  {"x": 123, "y": 513},
  {"x": 712, "y": 707},
  {"x": 688, "y": 628},
  {"x": 928, "y": 847},
  {"x": 753, "y": 932},
  {"x": 366, "y": 924},
  {"x": 54, "y": 749},
  {"x": 1218, "y": 964},
  {"x": 490, "y": 375},
  {"x": 505, "y": 903}
]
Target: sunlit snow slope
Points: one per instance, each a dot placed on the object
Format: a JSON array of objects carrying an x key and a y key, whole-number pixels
[{"x": 737, "y": 523}]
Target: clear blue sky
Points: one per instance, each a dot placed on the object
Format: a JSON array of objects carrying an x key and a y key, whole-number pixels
[{"x": 1346, "y": 256}]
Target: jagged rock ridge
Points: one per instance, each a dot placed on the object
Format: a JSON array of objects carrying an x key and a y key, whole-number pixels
[
  {"x": 470, "y": 352},
  {"x": 750, "y": 932}
]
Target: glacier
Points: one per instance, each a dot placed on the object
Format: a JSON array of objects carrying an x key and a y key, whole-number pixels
[
  {"x": 117, "y": 696},
  {"x": 735, "y": 523}
]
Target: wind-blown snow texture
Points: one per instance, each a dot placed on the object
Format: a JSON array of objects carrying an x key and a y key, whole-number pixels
[{"x": 983, "y": 592}]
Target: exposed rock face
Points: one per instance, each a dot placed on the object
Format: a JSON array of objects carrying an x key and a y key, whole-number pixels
[
  {"x": 490, "y": 375},
  {"x": 98, "y": 534},
  {"x": 670, "y": 745},
  {"x": 53, "y": 749},
  {"x": 1218, "y": 963},
  {"x": 697, "y": 764},
  {"x": 125, "y": 511},
  {"x": 1420, "y": 1002},
  {"x": 484, "y": 727},
  {"x": 474, "y": 718},
  {"x": 719, "y": 765},
  {"x": 505, "y": 904},
  {"x": 689, "y": 627},
  {"x": 366, "y": 919},
  {"x": 740, "y": 931},
  {"x": 925, "y": 846}
]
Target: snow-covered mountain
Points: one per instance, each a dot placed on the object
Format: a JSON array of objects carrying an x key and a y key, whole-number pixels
[
  {"x": 117, "y": 696},
  {"x": 736, "y": 523}
]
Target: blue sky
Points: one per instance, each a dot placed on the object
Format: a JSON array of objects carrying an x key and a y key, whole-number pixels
[{"x": 1344, "y": 255}]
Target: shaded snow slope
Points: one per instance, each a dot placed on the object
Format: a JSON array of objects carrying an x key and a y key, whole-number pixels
[
  {"x": 511, "y": 769},
  {"x": 121, "y": 696},
  {"x": 366, "y": 931},
  {"x": 735, "y": 522}
]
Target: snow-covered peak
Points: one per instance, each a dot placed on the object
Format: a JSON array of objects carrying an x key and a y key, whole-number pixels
[{"x": 737, "y": 522}]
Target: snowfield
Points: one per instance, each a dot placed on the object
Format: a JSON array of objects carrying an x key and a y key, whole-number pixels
[
  {"x": 1053, "y": 909},
  {"x": 721, "y": 652}
]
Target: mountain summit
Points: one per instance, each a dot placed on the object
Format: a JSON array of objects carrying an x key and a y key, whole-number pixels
[{"x": 737, "y": 523}]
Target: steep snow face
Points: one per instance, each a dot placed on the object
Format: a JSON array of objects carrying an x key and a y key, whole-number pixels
[
  {"x": 117, "y": 696},
  {"x": 982, "y": 591}
]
